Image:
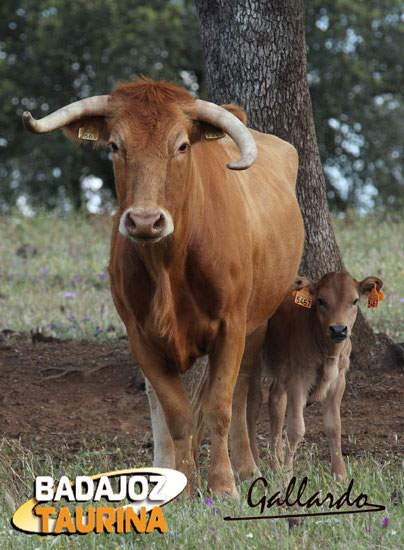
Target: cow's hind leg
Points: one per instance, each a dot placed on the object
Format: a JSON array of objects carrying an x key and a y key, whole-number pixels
[
  {"x": 242, "y": 458},
  {"x": 164, "y": 452},
  {"x": 254, "y": 404},
  {"x": 224, "y": 365}
]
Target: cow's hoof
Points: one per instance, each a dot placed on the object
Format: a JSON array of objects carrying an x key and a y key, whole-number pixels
[
  {"x": 246, "y": 474},
  {"x": 226, "y": 490}
]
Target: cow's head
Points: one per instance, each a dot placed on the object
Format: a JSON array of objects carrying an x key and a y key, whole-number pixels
[
  {"x": 150, "y": 128},
  {"x": 335, "y": 301}
]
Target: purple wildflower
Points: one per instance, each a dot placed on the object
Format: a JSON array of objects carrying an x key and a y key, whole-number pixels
[
  {"x": 402, "y": 300},
  {"x": 385, "y": 522},
  {"x": 87, "y": 318},
  {"x": 70, "y": 317},
  {"x": 98, "y": 330},
  {"x": 208, "y": 501},
  {"x": 77, "y": 279},
  {"x": 102, "y": 276},
  {"x": 70, "y": 295}
]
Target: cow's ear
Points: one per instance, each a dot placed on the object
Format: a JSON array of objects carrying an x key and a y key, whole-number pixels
[
  {"x": 303, "y": 282},
  {"x": 88, "y": 130},
  {"x": 207, "y": 131},
  {"x": 367, "y": 284}
]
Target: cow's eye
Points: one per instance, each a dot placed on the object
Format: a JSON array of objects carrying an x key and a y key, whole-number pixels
[
  {"x": 183, "y": 147},
  {"x": 321, "y": 302},
  {"x": 114, "y": 146},
  {"x": 355, "y": 302}
]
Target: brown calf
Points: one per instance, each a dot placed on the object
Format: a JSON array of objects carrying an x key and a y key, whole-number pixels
[{"x": 306, "y": 357}]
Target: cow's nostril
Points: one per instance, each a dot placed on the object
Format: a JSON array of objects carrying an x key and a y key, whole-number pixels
[
  {"x": 130, "y": 222},
  {"x": 159, "y": 223}
]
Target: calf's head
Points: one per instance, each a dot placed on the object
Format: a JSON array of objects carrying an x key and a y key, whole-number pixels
[
  {"x": 150, "y": 128},
  {"x": 335, "y": 299}
]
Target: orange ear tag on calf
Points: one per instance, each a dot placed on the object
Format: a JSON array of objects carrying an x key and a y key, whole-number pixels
[
  {"x": 303, "y": 297},
  {"x": 375, "y": 297}
]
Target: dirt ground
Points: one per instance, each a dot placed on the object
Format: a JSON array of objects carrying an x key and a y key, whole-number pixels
[{"x": 53, "y": 395}]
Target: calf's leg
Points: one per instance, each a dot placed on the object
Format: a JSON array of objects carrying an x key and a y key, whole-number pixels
[
  {"x": 332, "y": 426},
  {"x": 277, "y": 401},
  {"x": 295, "y": 427}
]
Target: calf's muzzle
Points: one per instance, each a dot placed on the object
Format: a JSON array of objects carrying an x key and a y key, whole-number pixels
[{"x": 338, "y": 332}]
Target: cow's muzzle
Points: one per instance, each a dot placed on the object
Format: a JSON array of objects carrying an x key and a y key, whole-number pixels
[{"x": 146, "y": 225}]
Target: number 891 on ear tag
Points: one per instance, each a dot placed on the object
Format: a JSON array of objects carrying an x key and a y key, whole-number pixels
[{"x": 303, "y": 298}]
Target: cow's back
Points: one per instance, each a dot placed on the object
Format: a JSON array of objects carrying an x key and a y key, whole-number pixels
[{"x": 263, "y": 213}]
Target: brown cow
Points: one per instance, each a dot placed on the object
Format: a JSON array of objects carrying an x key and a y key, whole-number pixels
[
  {"x": 201, "y": 255},
  {"x": 306, "y": 357}
]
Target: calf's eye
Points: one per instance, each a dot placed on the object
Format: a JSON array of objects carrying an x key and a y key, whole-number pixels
[
  {"x": 355, "y": 302},
  {"x": 114, "y": 146},
  {"x": 321, "y": 302}
]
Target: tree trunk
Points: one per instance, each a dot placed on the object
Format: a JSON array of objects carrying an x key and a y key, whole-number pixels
[{"x": 255, "y": 57}]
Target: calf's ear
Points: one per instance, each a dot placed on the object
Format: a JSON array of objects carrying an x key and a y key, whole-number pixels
[
  {"x": 303, "y": 282},
  {"x": 367, "y": 284},
  {"x": 88, "y": 130}
]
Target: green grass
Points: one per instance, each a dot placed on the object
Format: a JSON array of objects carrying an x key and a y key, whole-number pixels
[
  {"x": 194, "y": 524},
  {"x": 71, "y": 257},
  {"x": 73, "y": 252},
  {"x": 62, "y": 289}
]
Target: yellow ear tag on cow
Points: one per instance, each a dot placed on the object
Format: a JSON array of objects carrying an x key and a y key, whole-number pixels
[
  {"x": 375, "y": 297},
  {"x": 86, "y": 133},
  {"x": 303, "y": 297},
  {"x": 214, "y": 134}
]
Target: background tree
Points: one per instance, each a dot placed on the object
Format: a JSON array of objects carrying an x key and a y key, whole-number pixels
[
  {"x": 56, "y": 51},
  {"x": 255, "y": 56},
  {"x": 356, "y": 77},
  {"x": 53, "y": 52}
]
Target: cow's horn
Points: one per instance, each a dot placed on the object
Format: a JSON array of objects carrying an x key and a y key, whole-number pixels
[
  {"x": 226, "y": 121},
  {"x": 90, "y": 106}
]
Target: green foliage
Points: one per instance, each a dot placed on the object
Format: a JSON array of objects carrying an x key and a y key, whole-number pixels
[
  {"x": 53, "y": 52},
  {"x": 356, "y": 74}
]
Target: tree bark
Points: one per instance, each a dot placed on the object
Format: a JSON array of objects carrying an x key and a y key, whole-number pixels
[{"x": 255, "y": 56}]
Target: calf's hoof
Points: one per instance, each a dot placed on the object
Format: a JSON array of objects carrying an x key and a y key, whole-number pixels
[{"x": 338, "y": 471}]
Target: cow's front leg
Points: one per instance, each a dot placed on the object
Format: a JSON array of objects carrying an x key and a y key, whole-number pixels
[
  {"x": 163, "y": 445},
  {"x": 224, "y": 365},
  {"x": 332, "y": 426},
  {"x": 242, "y": 457},
  {"x": 167, "y": 385}
]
